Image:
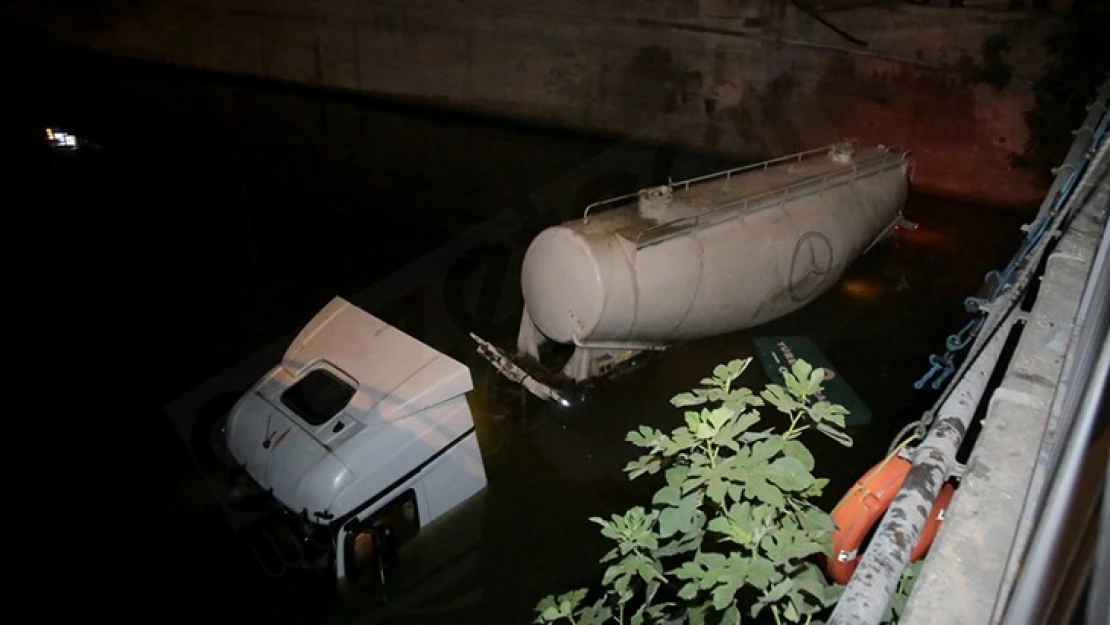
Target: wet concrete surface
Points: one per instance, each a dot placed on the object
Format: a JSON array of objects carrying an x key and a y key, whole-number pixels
[{"x": 215, "y": 216}]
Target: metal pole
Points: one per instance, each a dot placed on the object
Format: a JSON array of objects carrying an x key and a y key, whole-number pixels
[
  {"x": 865, "y": 598},
  {"x": 1034, "y": 591},
  {"x": 1098, "y": 608},
  {"x": 1061, "y": 414},
  {"x": 868, "y": 592}
]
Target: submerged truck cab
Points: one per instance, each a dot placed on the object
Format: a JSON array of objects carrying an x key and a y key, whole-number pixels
[{"x": 363, "y": 432}]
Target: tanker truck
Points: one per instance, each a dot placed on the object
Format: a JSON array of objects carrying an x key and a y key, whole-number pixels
[
  {"x": 697, "y": 258},
  {"x": 365, "y": 435}
]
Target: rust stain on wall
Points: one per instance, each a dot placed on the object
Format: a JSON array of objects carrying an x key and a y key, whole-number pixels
[{"x": 942, "y": 117}]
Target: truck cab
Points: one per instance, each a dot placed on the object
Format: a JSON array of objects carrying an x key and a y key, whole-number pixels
[{"x": 362, "y": 432}]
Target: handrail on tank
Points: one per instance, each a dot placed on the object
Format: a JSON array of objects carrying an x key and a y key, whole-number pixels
[
  {"x": 883, "y": 162},
  {"x": 726, "y": 173}
]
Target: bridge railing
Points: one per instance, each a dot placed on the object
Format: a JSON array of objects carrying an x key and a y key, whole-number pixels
[{"x": 875, "y": 579}]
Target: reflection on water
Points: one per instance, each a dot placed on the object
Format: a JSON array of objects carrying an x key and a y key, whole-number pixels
[
  {"x": 867, "y": 290},
  {"x": 238, "y": 210}
]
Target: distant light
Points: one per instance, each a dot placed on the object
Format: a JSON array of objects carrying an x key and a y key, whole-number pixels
[{"x": 61, "y": 139}]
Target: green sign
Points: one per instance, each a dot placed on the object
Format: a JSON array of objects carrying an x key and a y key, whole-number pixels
[{"x": 777, "y": 353}]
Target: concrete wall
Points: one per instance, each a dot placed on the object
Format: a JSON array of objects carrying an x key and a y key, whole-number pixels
[{"x": 747, "y": 77}]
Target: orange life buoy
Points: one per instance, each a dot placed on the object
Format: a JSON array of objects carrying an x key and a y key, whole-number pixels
[{"x": 863, "y": 506}]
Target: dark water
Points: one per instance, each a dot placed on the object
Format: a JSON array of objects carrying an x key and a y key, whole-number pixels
[{"x": 205, "y": 219}]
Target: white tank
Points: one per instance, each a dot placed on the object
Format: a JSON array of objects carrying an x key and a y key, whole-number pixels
[{"x": 709, "y": 255}]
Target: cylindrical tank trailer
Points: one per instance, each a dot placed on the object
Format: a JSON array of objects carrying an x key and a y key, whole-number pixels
[{"x": 706, "y": 256}]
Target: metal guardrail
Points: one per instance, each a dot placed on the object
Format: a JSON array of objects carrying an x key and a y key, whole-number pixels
[
  {"x": 1059, "y": 527},
  {"x": 789, "y": 192},
  {"x": 726, "y": 174},
  {"x": 869, "y": 591}
]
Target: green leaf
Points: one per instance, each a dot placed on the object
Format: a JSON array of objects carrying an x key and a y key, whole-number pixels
[
  {"x": 611, "y": 555},
  {"x": 721, "y": 373},
  {"x": 692, "y": 420},
  {"x": 801, "y": 370},
  {"x": 762, "y": 573},
  {"x": 760, "y": 489},
  {"x": 765, "y": 449},
  {"x": 816, "y": 520},
  {"x": 668, "y": 496},
  {"x": 780, "y": 399},
  {"x": 687, "y": 399},
  {"x": 815, "y": 489},
  {"x": 548, "y": 610},
  {"x": 704, "y": 430},
  {"x": 786, "y": 545},
  {"x": 691, "y": 541},
  {"x": 798, "y": 451},
  {"x": 724, "y": 596},
  {"x": 790, "y": 612},
  {"x": 676, "y": 475},
  {"x": 679, "y": 519},
  {"x": 789, "y": 474},
  {"x": 554, "y": 608},
  {"x": 720, "y": 416},
  {"x": 688, "y": 591},
  {"x": 835, "y": 434},
  {"x": 778, "y": 591},
  {"x": 825, "y": 411},
  {"x": 715, "y": 490},
  {"x": 736, "y": 529},
  {"x": 612, "y": 572},
  {"x": 648, "y": 465},
  {"x": 689, "y": 570},
  {"x": 812, "y": 582},
  {"x": 574, "y": 597},
  {"x": 816, "y": 378},
  {"x": 644, "y": 436},
  {"x": 607, "y": 528},
  {"x": 747, "y": 420},
  {"x": 647, "y": 571},
  {"x": 596, "y": 614},
  {"x": 740, "y": 399}
]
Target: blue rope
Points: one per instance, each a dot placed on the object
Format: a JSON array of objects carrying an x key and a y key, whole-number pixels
[{"x": 943, "y": 366}]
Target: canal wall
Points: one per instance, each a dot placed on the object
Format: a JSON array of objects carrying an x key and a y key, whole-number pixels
[{"x": 748, "y": 78}]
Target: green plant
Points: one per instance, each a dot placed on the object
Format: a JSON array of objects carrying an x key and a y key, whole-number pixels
[
  {"x": 734, "y": 526},
  {"x": 897, "y": 606}
]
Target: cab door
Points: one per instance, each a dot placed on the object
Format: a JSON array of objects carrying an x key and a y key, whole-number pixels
[{"x": 367, "y": 547}]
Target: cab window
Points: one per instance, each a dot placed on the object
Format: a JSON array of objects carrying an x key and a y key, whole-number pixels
[{"x": 318, "y": 396}]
